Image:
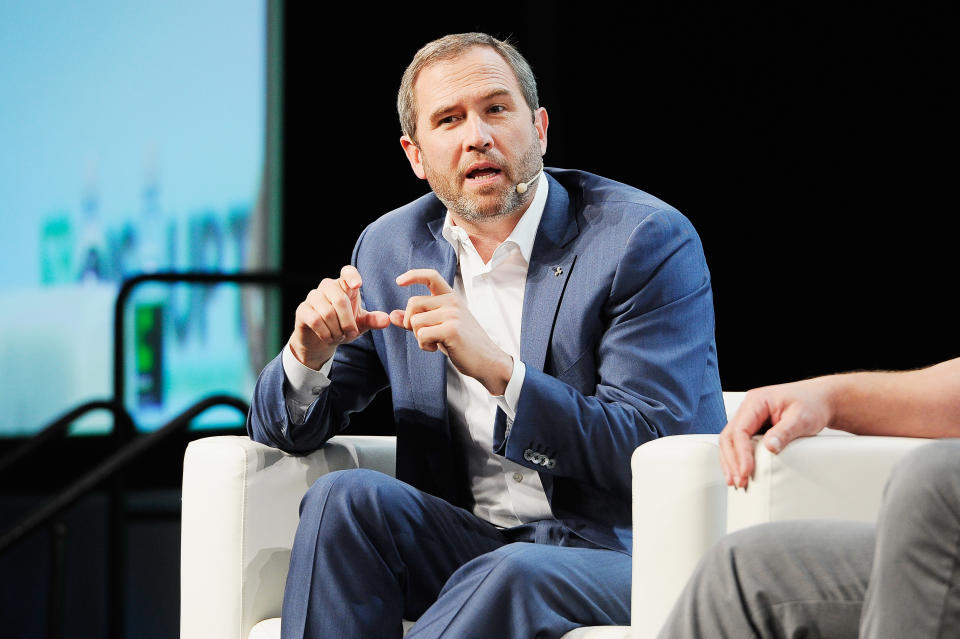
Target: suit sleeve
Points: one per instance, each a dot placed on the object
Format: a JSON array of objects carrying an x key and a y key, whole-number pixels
[
  {"x": 650, "y": 366},
  {"x": 356, "y": 376}
]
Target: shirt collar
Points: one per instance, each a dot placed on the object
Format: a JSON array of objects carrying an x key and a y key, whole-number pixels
[{"x": 524, "y": 233}]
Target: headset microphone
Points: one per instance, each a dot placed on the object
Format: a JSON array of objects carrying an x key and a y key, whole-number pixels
[{"x": 523, "y": 186}]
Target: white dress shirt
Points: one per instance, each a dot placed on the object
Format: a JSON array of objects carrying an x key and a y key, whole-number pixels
[{"x": 505, "y": 493}]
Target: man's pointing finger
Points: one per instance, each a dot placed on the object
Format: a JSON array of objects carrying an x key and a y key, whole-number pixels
[
  {"x": 428, "y": 277},
  {"x": 350, "y": 278}
]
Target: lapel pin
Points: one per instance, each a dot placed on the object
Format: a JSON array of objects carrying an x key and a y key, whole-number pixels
[{"x": 557, "y": 271}]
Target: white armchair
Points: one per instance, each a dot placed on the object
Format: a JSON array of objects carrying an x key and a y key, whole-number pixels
[
  {"x": 241, "y": 502},
  {"x": 681, "y": 505}
]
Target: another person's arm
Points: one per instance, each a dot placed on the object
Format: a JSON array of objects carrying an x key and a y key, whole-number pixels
[{"x": 920, "y": 403}]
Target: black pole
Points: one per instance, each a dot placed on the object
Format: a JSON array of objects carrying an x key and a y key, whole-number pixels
[
  {"x": 116, "y": 556},
  {"x": 58, "y": 533}
]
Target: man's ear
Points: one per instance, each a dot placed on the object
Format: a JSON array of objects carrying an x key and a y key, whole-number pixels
[
  {"x": 413, "y": 156},
  {"x": 540, "y": 123}
]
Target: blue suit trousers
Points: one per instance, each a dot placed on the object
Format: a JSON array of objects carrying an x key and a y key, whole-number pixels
[{"x": 371, "y": 550}]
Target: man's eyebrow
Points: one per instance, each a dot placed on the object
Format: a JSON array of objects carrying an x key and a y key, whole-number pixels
[
  {"x": 443, "y": 110},
  {"x": 495, "y": 93}
]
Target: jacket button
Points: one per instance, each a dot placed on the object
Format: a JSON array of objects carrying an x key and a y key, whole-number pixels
[{"x": 518, "y": 477}]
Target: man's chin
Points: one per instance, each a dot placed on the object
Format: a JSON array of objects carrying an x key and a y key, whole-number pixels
[
  {"x": 482, "y": 214},
  {"x": 491, "y": 202}
]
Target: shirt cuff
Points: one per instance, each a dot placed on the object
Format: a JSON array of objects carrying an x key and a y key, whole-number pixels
[
  {"x": 304, "y": 383},
  {"x": 511, "y": 395}
]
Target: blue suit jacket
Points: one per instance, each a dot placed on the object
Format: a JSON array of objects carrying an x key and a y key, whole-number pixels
[{"x": 619, "y": 349}]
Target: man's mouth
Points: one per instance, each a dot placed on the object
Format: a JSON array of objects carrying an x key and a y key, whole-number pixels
[{"x": 482, "y": 173}]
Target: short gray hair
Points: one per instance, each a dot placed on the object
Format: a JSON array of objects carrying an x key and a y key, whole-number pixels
[{"x": 450, "y": 47}]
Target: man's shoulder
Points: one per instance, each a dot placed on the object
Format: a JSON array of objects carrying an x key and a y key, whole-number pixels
[
  {"x": 595, "y": 196},
  {"x": 408, "y": 221}
]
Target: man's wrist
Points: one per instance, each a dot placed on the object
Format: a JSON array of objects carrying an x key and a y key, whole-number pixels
[
  {"x": 314, "y": 360},
  {"x": 304, "y": 383},
  {"x": 833, "y": 389},
  {"x": 502, "y": 371}
]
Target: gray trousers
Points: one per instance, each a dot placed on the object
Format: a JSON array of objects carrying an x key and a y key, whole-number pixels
[{"x": 836, "y": 579}]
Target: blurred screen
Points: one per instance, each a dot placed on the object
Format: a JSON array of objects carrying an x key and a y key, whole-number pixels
[{"x": 132, "y": 141}]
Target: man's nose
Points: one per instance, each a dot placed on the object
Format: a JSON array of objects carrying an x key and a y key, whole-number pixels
[{"x": 479, "y": 135}]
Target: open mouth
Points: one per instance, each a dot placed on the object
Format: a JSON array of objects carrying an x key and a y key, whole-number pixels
[{"x": 483, "y": 173}]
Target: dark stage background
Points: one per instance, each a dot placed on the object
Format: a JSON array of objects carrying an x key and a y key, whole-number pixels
[{"x": 813, "y": 149}]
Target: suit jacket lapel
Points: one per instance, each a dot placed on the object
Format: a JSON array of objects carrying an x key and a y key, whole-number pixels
[
  {"x": 551, "y": 263},
  {"x": 427, "y": 371}
]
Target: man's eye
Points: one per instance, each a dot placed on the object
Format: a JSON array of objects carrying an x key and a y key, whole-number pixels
[
  {"x": 497, "y": 108},
  {"x": 450, "y": 119}
]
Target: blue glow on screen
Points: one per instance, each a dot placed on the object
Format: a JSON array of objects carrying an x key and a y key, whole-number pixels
[{"x": 131, "y": 140}]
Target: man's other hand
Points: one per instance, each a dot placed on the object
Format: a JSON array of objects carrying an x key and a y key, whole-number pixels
[
  {"x": 799, "y": 409},
  {"x": 331, "y": 315},
  {"x": 441, "y": 321}
]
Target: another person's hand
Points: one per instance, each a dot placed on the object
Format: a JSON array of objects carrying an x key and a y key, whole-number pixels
[
  {"x": 331, "y": 315},
  {"x": 442, "y": 321},
  {"x": 798, "y": 409}
]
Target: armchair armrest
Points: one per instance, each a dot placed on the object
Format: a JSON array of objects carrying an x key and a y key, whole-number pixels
[
  {"x": 239, "y": 516},
  {"x": 818, "y": 478},
  {"x": 679, "y": 511}
]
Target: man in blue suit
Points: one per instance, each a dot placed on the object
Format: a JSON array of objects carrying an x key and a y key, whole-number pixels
[{"x": 534, "y": 326}]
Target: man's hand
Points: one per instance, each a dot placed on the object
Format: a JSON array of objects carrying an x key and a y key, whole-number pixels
[
  {"x": 799, "y": 409},
  {"x": 441, "y": 321},
  {"x": 332, "y": 315}
]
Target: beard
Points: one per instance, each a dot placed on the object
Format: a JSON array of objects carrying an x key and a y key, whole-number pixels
[{"x": 506, "y": 200}]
